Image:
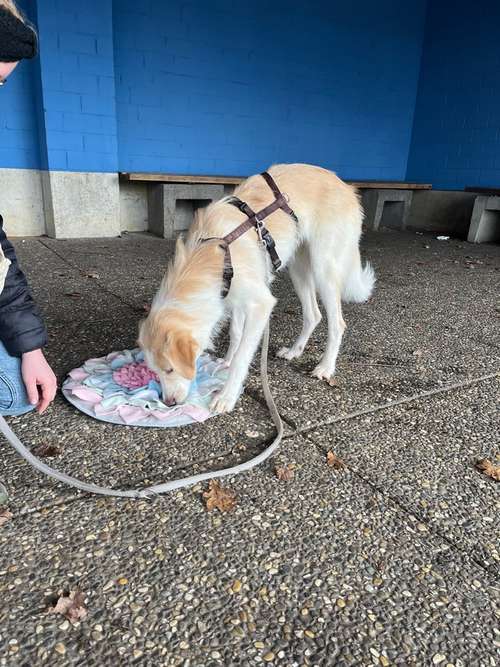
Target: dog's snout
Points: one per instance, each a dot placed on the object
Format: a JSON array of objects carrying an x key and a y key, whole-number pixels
[{"x": 170, "y": 402}]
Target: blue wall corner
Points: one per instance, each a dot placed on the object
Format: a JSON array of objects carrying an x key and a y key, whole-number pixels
[{"x": 456, "y": 135}]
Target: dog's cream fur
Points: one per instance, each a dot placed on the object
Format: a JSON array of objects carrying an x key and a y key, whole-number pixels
[{"x": 322, "y": 254}]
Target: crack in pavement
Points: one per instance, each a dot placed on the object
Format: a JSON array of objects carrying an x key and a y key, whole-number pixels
[
  {"x": 408, "y": 510},
  {"x": 75, "y": 267},
  {"x": 400, "y": 401}
]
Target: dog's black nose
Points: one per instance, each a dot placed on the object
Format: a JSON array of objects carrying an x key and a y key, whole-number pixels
[{"x": 170, "y": 402}]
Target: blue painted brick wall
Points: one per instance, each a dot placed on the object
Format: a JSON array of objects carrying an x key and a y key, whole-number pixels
[
  {"x": 19, "y": 146},
  {"x": 77, "y": 81},
  {"x": 225, "y": 87},
  {"x": 456, "y": 136}
]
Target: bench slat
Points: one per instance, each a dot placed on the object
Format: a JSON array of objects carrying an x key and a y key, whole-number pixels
[
  {"x": 236, "y": 180},
  {"x": 389, "y": 185},
  {"x": 180, "y": 178}
]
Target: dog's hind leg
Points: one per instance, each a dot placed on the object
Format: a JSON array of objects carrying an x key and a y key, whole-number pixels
[
  {"x": 327, "y": 281},
  {"x": 301, "y": 274},
  {"x": 235, "y": 332},
  {"x": 257, "y": 313}
]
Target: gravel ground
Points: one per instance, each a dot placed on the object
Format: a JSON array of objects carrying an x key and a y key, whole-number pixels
[{"x": 392, "y": 559}]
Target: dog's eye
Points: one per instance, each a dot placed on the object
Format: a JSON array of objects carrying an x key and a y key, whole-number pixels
[{"x": 169, "y": 370}]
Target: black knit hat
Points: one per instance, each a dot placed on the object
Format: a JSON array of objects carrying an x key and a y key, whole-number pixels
[{"x": 17, "y": 40}]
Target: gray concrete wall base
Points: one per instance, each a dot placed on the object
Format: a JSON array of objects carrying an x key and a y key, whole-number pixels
[
  {"x": 21, "y": 202},
  {"x": 133, "y": 207},
  {"x": 485, "y": 220},
  {"x": 79, "y": 204},
  {"x": 229, "y": 189},
  {"x": 386, "y": 208},
  {"x": 171, "y": 206},
  {"x": 442, "y": 211}
]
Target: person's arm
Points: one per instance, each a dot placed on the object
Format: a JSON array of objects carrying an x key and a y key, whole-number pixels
[{"x": 22, "y": 330}]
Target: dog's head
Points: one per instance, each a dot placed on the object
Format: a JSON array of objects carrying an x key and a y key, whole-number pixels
[{"x": 171, "y": 351}]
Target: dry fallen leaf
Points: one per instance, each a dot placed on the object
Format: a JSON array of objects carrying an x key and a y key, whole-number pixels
[
  {"x": 5, "y": 516},
  {"x": 219, "y": 497},
  {"x": 71, "y": 606},
  {"x": 285, "y": 473},
  {"x": 334, "y": 461},
  {"x": 489, "y": 469},
  {"x": 92, "y": 274},
  {"x": 45, "y": 451}
]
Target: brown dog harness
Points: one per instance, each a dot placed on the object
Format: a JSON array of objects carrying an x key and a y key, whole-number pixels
[{"x": 254, "y": 220}]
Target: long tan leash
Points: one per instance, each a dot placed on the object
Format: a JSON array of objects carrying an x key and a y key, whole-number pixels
[{"x": 158, "y": 489}]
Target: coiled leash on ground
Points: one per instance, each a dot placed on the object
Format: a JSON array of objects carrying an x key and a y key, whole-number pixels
[{"x": 158, "y": 489}]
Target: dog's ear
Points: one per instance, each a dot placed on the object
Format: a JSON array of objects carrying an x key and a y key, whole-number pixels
[{"x": 182, "y": 351}]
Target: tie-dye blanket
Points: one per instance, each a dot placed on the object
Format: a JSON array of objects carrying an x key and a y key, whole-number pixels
[{"x": 121, "y": 389}]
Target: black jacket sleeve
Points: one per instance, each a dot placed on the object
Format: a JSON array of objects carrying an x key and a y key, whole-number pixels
[{"x": 21, "y": 326}]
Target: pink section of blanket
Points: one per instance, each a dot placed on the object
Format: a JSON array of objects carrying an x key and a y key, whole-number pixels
[{"x": 133, "y": 376}]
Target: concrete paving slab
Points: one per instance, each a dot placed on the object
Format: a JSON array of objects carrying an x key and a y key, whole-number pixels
[
  {"x": 321, "y": 570},
  {"x": 72, "y": 343},
  {"x": 130, "y": 267},
  {"x": 424, "y": 328},
  {"x": 422, "y": 455},
  {"x": 64, "y": 293}
]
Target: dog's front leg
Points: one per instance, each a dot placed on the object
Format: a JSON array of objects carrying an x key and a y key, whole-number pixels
[
  {"x": 256, "y": 316},
  {"x": 235, "y": 332}
]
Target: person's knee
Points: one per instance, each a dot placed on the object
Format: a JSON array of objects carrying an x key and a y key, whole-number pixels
[{"x": 13, "y": 397}]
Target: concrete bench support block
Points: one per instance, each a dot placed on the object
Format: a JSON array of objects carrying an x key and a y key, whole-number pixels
[
  {"x": 386, "y": 208},
  {"x": 171, "y": 205},
  {"x": 485, "y": 220},
  {"x": 79, "y": 204}
]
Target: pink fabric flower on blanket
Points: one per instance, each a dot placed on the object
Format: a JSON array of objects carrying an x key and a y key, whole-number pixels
[{"x": 134, "y": 376}]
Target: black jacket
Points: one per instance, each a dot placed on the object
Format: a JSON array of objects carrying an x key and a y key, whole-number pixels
[{"x": 21, "y": 325}]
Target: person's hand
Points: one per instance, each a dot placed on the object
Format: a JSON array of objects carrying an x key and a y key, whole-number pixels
[{"x": 39, "y": 379}]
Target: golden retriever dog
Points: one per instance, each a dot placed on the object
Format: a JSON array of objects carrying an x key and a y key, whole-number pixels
[{"x": 321, "y": 252}]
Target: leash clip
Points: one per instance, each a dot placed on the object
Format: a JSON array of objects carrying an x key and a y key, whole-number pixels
[{"x": 259, "y": 226}]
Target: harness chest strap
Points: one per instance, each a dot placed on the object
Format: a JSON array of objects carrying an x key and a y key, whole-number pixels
[{"x": 254, "y": 220}]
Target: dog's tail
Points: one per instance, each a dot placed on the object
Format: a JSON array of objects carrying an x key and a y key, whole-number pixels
[{"x": 359, "y": 284}]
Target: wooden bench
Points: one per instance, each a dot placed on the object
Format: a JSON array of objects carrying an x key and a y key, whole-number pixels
[
  {"x": 173, "y": 198},
  {"x": 485, "y": 220},
  {"x": 148, "y": 177}
]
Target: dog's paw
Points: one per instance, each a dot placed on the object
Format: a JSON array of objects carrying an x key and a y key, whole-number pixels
[
  {"x": 223, "y": 402},
  {"x": 289, "y": 352},
  {"x": 323, "y": 373}
]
